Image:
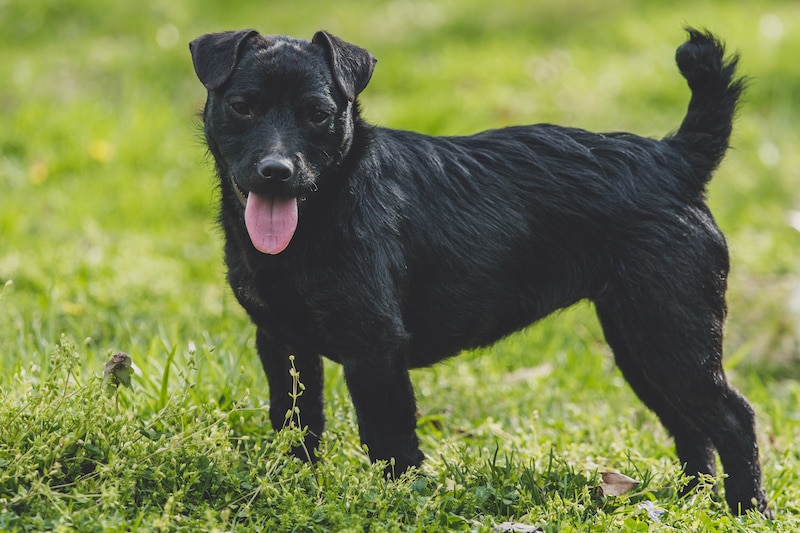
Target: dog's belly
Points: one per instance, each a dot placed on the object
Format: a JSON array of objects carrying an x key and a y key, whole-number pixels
[
  {"x": 450, "y": 308},
  {"x": 445, "y": 328}
]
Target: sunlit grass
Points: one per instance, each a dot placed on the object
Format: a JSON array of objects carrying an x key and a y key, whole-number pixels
[{"x": 108, "y": 237}]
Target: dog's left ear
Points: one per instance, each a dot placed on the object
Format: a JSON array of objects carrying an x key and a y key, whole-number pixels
[
  {"x": 351, "y": 65},
  {"x": 215, "y": 55}
]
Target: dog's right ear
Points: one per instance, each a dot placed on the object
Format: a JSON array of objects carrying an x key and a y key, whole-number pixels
[
  {"x": 215, "y": 55},
  {"x": 352, "y": 66}
]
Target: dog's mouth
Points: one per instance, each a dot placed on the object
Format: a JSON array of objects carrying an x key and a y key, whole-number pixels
[
  {"x": 240, "y": 194},
  {"x": 271, "y": 220}
]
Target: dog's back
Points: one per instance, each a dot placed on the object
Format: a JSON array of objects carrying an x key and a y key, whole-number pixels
[{"x": 530, "y": 219}]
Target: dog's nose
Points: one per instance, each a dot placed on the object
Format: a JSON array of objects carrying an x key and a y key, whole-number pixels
[{"x": 275, "y": 168}]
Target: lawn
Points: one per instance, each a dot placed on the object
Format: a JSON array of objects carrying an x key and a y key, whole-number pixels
[{"x": 108, "y": 244}]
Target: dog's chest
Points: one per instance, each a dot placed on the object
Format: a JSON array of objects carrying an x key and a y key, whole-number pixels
[{"x": 275, "y": 300}]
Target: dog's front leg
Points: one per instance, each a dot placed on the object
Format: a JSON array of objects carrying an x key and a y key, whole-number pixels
[
  {"x": 307, "y": 407},
  {"x": 384, "y": 401}
]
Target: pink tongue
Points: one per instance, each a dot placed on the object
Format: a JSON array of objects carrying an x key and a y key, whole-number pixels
[{"x": 271, "y": 222}]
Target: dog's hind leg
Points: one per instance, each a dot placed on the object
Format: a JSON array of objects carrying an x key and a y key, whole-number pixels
[
  {"x": 694, "y": 448},
  {"x": 667, "y": 337}
]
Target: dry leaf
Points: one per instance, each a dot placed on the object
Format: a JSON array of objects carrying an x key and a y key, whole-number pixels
[{"x": 615, "y": 484}]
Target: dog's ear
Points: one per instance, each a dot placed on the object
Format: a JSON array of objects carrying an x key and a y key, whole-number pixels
[
  {"x": 215, "y": 55},
  {"x": 351, "y": 65}
]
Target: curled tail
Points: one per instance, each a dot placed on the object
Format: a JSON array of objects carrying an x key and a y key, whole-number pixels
[{"x": 705, "y": 132}]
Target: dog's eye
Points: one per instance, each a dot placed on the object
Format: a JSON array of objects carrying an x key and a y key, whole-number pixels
[
  {"x": 240, "y": 107},
  {"x": 318, "y": 116}
]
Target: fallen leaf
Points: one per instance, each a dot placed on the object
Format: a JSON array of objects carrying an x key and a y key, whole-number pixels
[{"x": 615, "y": 484}]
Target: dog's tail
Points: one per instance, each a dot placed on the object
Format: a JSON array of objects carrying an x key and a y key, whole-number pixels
[{"x": 705, "y": 132}]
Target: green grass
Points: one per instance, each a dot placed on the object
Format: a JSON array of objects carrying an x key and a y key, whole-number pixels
[{"x": 108, "y": 243}]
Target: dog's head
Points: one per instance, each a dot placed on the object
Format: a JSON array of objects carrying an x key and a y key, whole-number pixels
[{"x": 279, "y": 115}]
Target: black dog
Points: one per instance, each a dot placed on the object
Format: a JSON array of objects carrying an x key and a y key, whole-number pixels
[{"x": 386, "y": 250}]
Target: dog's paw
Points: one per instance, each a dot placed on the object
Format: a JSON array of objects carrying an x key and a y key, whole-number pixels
[{"x": 396, "y": 467}]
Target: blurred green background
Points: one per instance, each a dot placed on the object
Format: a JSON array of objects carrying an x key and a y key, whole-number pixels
[{"x": 107, "y": 199}]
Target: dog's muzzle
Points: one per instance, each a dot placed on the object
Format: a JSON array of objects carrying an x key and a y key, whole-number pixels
[{"x": 270, "y": 219}]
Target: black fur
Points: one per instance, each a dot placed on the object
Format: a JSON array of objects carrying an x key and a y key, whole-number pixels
[{"x": 407, "y": 249}]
